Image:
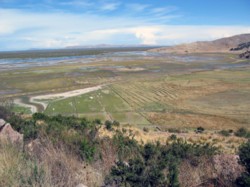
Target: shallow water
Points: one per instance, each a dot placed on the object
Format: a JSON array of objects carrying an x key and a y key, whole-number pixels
[{"x": 204, "y": 62}]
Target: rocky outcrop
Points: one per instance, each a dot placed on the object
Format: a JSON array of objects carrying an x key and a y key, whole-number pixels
[
  {"x": 245, "y": 55},
  {"x": 2, "y": 123},
  {"x": 221, "y": 170},
  {"x": 81, "y": 185},
  {"x": 7, "y": 133}
]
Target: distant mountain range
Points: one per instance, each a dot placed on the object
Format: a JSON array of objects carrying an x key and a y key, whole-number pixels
[
  {"x": 223, "y": 45},
  {"x": 107, "y": 46}
]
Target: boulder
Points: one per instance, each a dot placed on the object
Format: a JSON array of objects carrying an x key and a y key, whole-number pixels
[
  {"x": 2, "y": 123},
  {"x": 219, "y": 170},
  {"x": 81, "y": 185},
  {"x": 7, "y": 133}
]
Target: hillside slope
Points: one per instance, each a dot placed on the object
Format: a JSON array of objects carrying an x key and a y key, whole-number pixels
[{"x": 222, "y": 45}]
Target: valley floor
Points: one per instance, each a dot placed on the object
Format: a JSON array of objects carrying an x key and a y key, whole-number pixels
[{"x": 175, "y": 91}]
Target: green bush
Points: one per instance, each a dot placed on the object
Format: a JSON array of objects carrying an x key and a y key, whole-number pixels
[
  {"x": 30, "y": 130},
  {"x": 153, "y": 161},
  {"x": 224, "y": 133},
  {"x": 97, "y": 121},
  {"x": 173, "y": 137},
  {"x": 108, "y": 125},
  {"x": 39, "y": 116},
  {"x": 116, "y": 123},
  {"x": 26, "y": 127},
  {"x": 87, "y": 151},
  {"x": 244, "y": 154},
  {"x": 126, "y": 146},
  {"x": 242, "y": 132}
]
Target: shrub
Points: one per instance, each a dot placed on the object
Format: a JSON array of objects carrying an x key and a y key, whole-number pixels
[
  {"x": 87, "y": 150},
  {"x": 244, "y": 154},
  {"x": 5, "y": 113},
  {"x": 173, "y": 130},
  {"x": 242, "y": 132},
  {"x": 126, "y": 146},
  {"x": 29, "y": 130},
  {"x": 26, "y": 127},
  {"x": 200, "y": 130},
  {"x": 116, "y": 123},
  {"x": 173, "y": 175},
  {"x": 173, "y": 137},
  {"x": 156, "y": 164},
  {"x": 108, "y": 125},
  {"x": 224, "y": 133},
  {"x": 145, "y": 129},
  {"x": 39, "y": 116},
  {"x": 97, "y": 121}
]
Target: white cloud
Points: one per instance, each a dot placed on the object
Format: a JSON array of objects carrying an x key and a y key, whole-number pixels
[
  {"x": 137, "y": 7},
  {"x": 76, "y": 3},
  {"x": 189, "y": 33},
  {"x": 109, "y": 6},
  {"x": 58, "y": 29},
  {"x": 164, "y": 10}
]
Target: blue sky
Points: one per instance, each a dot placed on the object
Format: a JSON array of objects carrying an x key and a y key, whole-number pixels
[{"x": 26, "y": 24}]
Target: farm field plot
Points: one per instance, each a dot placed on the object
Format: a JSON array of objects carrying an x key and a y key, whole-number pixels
[
  {"x": 213, "y": 99},
  {"x": 105, "y": 104},
  {"x": 97, "y": 101}
]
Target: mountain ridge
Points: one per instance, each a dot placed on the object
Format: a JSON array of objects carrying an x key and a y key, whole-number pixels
[{"x": 222, "y": 45}]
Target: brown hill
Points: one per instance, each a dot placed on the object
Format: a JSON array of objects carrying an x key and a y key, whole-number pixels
[{"x": 222, "y": 45}]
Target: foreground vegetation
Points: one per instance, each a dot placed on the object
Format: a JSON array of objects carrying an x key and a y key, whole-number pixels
[{"x": 65, "y": 151}]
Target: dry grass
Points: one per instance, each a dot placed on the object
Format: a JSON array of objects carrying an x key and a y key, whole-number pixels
[
  {"x": 18, "y": 170},
  {"x": 49, "y": 166},
  {"x": 228, "y": 144}
]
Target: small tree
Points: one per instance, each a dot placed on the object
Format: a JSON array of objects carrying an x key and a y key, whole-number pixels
[{"x": 108, "y": 125}]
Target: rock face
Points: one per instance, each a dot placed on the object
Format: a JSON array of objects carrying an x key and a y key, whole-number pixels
[
  {"x": 221, "y": 170},
  {"x": 7, "y": 133},
  {"x": 223, "y": 45}
]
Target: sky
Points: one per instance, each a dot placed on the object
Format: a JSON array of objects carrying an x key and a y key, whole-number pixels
[{"x": 36, "y": 24}]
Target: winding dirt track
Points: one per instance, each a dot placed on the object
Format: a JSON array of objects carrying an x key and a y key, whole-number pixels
[
  {"x": 43, "y": 99},
  {"x": 32, "y": 108}
]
